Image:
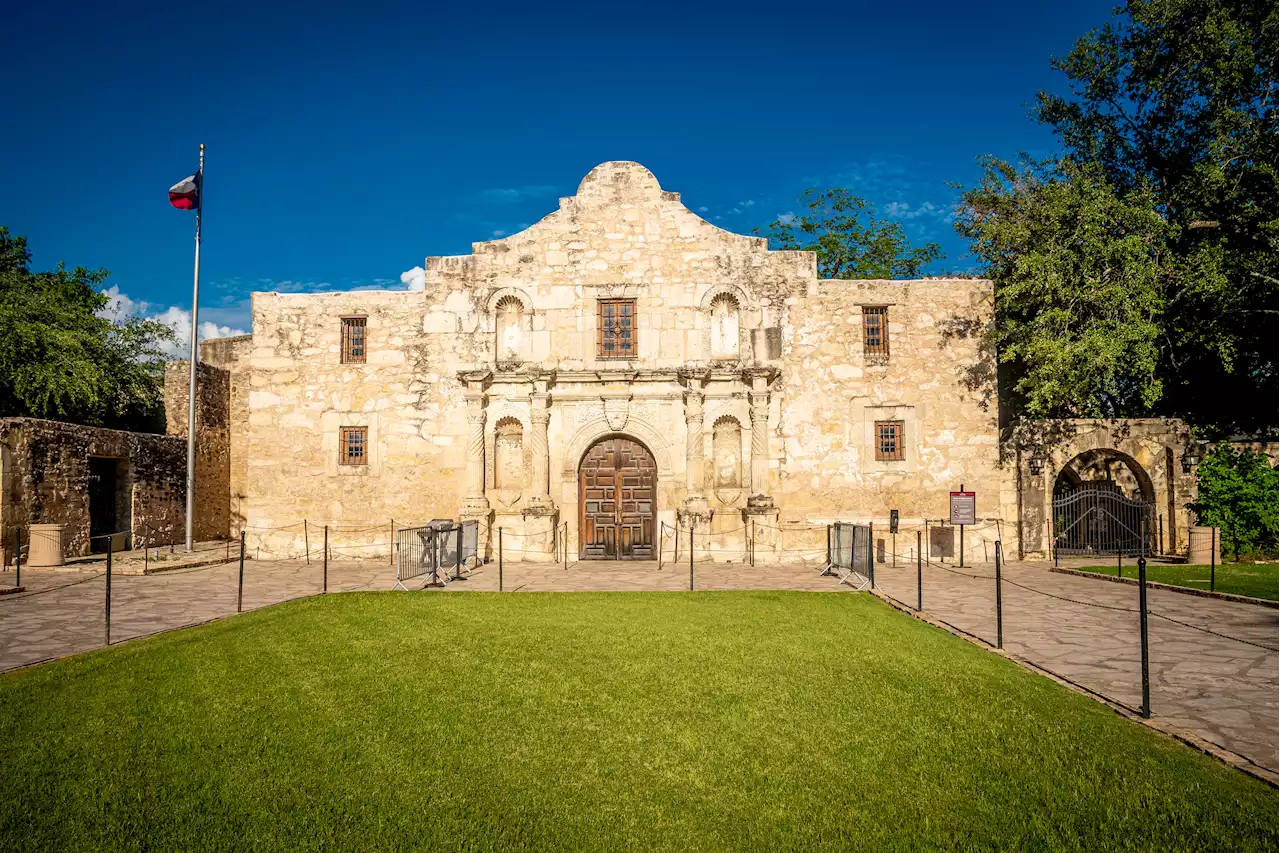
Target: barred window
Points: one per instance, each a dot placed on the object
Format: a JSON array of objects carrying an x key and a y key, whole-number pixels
[
  {"x": 353, "y": 445},
  {"x": 353, "y": 340},
  {"x": 616, "y": 328},
  {"x": 875, "y": 332},
  {"x": 889, "y": 441}
]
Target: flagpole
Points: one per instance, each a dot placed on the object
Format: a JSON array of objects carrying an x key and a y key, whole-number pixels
[{"x": 191, "y": 364}]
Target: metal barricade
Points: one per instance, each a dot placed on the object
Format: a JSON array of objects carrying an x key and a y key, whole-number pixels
[
  {"x": 433, "y": 549},
  {"x": 849, "y": 554}
]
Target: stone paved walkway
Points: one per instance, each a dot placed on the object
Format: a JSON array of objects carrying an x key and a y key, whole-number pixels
[{"x": 1215, "y": 688}]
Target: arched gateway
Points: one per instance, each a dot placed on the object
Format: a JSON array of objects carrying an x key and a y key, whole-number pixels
[{"x": 617, "y": 500}]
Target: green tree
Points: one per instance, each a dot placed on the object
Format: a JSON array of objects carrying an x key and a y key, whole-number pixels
[
  {"x": 849, "y": 238},
  {"x": 60, "y": 359},
  {"x": 1080, "y": 273},
  {"x": 1173, "y": 105},
  {"x": 1237, "y": 492}
]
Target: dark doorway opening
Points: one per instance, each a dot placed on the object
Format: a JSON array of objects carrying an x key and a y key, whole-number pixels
[{"x": 108, "y": 503}]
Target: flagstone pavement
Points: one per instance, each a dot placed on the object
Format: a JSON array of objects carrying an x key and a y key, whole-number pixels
[{"x": 1220, "y": 687}]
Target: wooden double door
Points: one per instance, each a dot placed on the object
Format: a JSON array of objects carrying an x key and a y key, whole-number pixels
[{"x": 617, "y": 497}]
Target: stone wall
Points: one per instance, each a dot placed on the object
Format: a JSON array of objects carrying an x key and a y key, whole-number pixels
[
  {"x": 482, "y": 393},
  {"x": 938, "y": 380},
  {"x": 232, "y": 355},
  {"x": 1149, "y": 448},
  {"x": 213, "y": 439},
  {"x": 44, "y": 479}
]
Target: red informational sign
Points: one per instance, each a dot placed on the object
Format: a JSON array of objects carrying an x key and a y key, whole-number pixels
[{"x": 964, "y": 507}]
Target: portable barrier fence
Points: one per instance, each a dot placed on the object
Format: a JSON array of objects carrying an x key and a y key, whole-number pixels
[
  {"x": 849, "y": 553},
  {"x": 435, "y": 549}
]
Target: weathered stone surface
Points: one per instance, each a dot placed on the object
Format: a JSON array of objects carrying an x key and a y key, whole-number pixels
[
  {"x": 797, "y": 361},
  {"x": 44, "y": 479}
]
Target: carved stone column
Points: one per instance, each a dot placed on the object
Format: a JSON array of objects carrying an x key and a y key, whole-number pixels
[
  {"x": 474, "y": 503},
  {"x": 540, "y": 516},
  {"x": 760, "y": 514},
  {"x": 540, "y": 416},
  {"x": 759, "y": 445},
  {"x": 694, "y": 465},
  {"x": 475, "y": 451}
]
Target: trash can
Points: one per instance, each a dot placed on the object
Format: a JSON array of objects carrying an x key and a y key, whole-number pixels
[
  {"x": 45, "y": 548},
  {"x": 1200, "y": 544}
]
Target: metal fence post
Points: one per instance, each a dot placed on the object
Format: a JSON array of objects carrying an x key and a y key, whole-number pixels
[
  {"x": 325, "y": 588},
  {"x": 566, "y": 546},
  {"x": 828, "y": 560},
  {"x": 499, "y": 559},
  {"x": 1142, "y": 631},
  {"x": 999, "y": 603},
  {"x": 391, "y": 545},
  {"x": 240, "y": 586},
  {"x": 662, "y": 530},
  {"x": 17, "y": 556},
  {"x": 1213, "y": 555},
  {"x": 108, "y": 601},
  {"x": 753, "y": 543},
  {"x": 919, "y": 575},
  {"x": 690, "y": 554},
  {"x": 457, "y": 564},
  {"x": 306, "y": 539},
  {"x": 1120, "y": 562},
  {"x": 871, "y": 555}
]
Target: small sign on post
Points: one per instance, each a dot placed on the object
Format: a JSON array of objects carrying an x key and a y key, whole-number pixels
[{"x": 964, "y": 510}]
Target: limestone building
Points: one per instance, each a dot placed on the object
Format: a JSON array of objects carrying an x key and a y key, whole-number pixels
[{"x": 619, "y": 370}]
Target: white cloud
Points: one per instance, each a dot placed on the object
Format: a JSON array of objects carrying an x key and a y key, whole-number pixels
[
  {"x": 786, "y": 218},
  {"x": 498, "y": 232},
  {"x": 702, "y": 209},
  {"x": 179, "y": 319},
  {"x": 414, "y": 279},
  {"x": 897, "y": 208},
  {"x": 121, "y": 307},
  {"x": 748, "y": 203}
]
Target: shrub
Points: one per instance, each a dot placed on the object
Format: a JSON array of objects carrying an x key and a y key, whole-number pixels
[{"x": 1237, "y": 492}]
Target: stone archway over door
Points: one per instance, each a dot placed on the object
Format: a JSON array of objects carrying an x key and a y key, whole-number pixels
[{"x": 617, "y": 500}]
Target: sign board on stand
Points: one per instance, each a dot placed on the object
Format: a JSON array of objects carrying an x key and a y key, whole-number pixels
[
  {"x": 964, "y": 510},
  {"x": 964, "y": 507}
]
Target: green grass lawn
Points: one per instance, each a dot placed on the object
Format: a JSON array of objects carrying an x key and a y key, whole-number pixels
[
  {"x": 1260, "y": 580},
  {"x": 617, "y": 721}
]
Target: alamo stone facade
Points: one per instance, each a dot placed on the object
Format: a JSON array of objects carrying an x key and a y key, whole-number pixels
[
  {"x": 598, "y": 385},
  {"x": 735, "y": 384}
]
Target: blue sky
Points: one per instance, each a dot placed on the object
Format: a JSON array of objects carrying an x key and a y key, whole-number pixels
[{"x": 346, "y": 142}]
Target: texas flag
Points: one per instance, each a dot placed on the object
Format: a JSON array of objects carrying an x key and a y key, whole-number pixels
[{"x": 185, "y": 194}]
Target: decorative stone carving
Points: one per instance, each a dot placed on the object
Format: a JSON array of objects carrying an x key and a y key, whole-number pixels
[{"x": 616, "y": 411}]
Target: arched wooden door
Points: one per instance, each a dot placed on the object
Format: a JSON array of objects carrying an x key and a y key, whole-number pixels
[{"x": 617, "y": 496}]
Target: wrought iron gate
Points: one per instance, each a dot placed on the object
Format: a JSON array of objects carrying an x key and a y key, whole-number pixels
[{"x": 1098, "y": 519}]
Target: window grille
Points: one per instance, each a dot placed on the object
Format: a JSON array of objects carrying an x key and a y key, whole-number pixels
[
  {"x": 353, "y": 340},
  {"x": 889, "y": 441},
  {"x": 875, "y": 331},
  {"x": 353, "y": 446},
  {"x": 616, "y": 328}
]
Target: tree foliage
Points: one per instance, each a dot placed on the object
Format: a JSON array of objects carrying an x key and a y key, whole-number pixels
[
  {"x": 1238, "y": 493},
  {"x": 1080, "y": 272},
  {"x": 60, "y": 359},
  {"x": 850, "y": 239},
  {"x": 1172, "y": 106}
]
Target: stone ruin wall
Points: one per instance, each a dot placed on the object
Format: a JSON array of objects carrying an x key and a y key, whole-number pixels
[
  {"x": 45, "y": 480},
  {"x": 213, "y": 435},
  {"x": 232, "y": 355}
]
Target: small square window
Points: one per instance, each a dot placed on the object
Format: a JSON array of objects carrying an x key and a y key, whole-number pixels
[
  {"x": 875, "y": 335},
  {"x": 889, "y": 441},
  {"x": 353, "y": 340},
  {"x": 353, "y": 445},
  {"x": 616, "y": 328}
]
